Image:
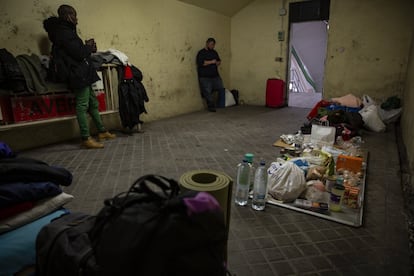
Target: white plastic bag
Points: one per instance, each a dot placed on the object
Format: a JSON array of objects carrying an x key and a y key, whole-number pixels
[
  {"x": 367, "y": 101},
  {"x": 230, "y": 101},
  {"x": 372, "y": 119},
  {"x": 286, "y": 182},
  {"x": 314, "y": 193},
  {"x": 322, "y": 135},
  {"x": 389, "y": 116}
]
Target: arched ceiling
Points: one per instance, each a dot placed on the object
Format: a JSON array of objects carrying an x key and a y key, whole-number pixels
[{"x": 225, "y": 7}]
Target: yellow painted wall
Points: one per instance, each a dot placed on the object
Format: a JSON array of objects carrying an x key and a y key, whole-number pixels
[
  {"x": 161, "y": 37},
  {"x": 407, "y": 120},
  {"x": 368, "y": 45},
  {"x": 254, "y": 47}
]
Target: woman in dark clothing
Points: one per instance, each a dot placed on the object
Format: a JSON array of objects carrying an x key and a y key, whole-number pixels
[{"x": 71, "y": 64}]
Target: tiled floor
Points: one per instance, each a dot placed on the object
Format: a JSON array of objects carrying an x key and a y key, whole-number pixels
[{"x": 277, "y": 241}]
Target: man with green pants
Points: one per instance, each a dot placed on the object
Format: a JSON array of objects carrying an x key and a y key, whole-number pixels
[{"x": 70, "y": 63}]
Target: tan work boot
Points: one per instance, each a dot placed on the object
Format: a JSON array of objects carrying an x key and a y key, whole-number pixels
[
  {"x": 91, "y": 144},
  {"x": 105, "y": 136}
]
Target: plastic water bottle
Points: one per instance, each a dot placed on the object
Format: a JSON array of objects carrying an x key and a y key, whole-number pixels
[
  {"x": 242, "y": 184},
  {"x": 299, "y": 139},
  {"x": 260, "y": 187},
  {"x": 249, "y": 157}
]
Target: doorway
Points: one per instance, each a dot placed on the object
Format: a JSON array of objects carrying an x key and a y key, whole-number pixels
[{"x": 308, "y": 37}]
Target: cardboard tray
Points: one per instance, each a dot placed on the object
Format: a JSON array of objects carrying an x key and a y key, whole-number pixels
[{"x": 348, "y": 216}]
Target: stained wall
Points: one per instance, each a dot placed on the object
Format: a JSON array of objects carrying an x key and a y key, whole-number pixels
[
  {"x": 368, "y": 46},
  {"x": 161, "y": 37}
]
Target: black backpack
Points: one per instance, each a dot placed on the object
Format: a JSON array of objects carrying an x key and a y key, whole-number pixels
[
  {"x": 150, "y": 230},
  {"x": 11, "y": 77}
]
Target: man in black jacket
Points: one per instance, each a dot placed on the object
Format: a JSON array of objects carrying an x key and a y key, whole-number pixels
[
  {"x": 72, "y": 64},
  {"x": 208, "y": 75}
]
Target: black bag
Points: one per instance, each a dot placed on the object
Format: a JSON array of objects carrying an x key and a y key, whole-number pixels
[
  {"x": 149, "y": 230},
  {"x": 235, "y": 95},
  {"x": 11, "y": 77},
  {"x": 63, "y": 247}
]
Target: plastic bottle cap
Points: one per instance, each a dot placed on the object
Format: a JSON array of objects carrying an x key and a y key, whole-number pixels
[{"x": 249, "y": 157}]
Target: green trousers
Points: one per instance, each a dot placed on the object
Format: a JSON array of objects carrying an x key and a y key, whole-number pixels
[{"x": 86, "y": 102}]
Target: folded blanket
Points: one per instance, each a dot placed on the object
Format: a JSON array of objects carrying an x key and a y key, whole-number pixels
[
  {"x": 12, "y": 193},
  {"x": 32, "y": 170},
  {"x": 42, "y": 207},
  {"x": 18, "y": 247}
]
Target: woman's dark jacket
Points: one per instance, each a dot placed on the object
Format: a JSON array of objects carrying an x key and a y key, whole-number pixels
[{"x": 70, "y": 57}]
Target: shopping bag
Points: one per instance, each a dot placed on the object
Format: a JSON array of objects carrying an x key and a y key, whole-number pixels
[
  {"x": 322, "y": 135},
  {"x": 285, "y": 181}
]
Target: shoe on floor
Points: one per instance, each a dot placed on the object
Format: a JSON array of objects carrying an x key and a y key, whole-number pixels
[
  {"x": 91, "y": 144},
  {"x": 211, "y": 109},
  {"x": 105, "y": 136}
]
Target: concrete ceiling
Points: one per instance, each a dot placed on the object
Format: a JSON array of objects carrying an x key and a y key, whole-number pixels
[{"x": 226, "y": 7}]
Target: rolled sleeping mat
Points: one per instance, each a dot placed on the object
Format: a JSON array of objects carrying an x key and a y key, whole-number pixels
[{"x": 216, "y": 183}]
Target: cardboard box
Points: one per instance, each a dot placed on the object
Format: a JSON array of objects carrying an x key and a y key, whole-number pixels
[{"x": 350, "y": 163}]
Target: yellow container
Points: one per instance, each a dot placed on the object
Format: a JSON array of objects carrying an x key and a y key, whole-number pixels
[{"x": 337, "y": 194}]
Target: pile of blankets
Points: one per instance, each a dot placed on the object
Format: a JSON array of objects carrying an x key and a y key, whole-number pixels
[
  {"x": 30, "y": 197},
  {"x": 350, "y": 114}
]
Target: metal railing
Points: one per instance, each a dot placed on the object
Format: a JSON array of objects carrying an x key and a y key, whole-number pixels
[{"x": 295, "y": 83}]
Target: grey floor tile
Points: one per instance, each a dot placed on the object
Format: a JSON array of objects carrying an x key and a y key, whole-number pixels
[
  {"x": 262, "y": 270},
  {"x": 302, "y": 266},
  {"x": 291, "y": 252},
  {"x": 255, "y": 257},
  {"x": 283, "y": 268},
  {"x": 320, "y": 263},
  {"x": 273, "y": 254},
  {"x": 308, "y": 250}
]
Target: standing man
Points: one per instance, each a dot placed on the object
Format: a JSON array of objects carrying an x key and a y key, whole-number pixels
[
  {"x": 208, "y": 75},
  {"x": 72, "y": 64}
]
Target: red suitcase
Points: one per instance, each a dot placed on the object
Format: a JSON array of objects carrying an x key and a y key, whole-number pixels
[{"x": 275, "y": 93}]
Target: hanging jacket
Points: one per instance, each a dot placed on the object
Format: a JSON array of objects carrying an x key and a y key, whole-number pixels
[
  {"x": 70, "y": 57},
  {"x": 132, "y": 97}
]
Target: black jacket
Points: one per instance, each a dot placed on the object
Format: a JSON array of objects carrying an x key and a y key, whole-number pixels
[
  {"x": 132, "y": 96},
  {"x": 70, "y": 60}
]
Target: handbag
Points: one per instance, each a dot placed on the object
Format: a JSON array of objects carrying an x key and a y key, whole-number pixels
[{"x": 323, "y": 135}]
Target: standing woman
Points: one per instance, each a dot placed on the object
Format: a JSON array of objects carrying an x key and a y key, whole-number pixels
[{"x": 70, "y": 63}]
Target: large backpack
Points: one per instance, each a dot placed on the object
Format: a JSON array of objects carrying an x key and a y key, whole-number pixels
[
  {"x": 11, "y": 78},
  {"x": 150, "y": 230}
]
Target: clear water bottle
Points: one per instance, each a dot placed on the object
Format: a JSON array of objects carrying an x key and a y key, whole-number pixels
[
  {"x": 260, "y": 187},
  {"x": 242, "y": 183},
  {"x": 299, "y": 140},
  {"x": 249, "y": 157}
]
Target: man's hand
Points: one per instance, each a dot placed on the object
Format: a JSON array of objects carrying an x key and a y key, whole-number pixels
[
  {"x": 92, "y": 44},
  {"x": 213, "y": 61}
]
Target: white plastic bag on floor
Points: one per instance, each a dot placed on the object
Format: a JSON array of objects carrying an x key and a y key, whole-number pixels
[
  {"x": 371, "y": 118},
  {"x": 389, "y": 116},
  {"x": 230, "y": 101},
  {"x": 286, "y": 182}
]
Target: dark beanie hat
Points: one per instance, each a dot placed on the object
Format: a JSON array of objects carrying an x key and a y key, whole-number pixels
[{"x": 210, "y": 39}]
